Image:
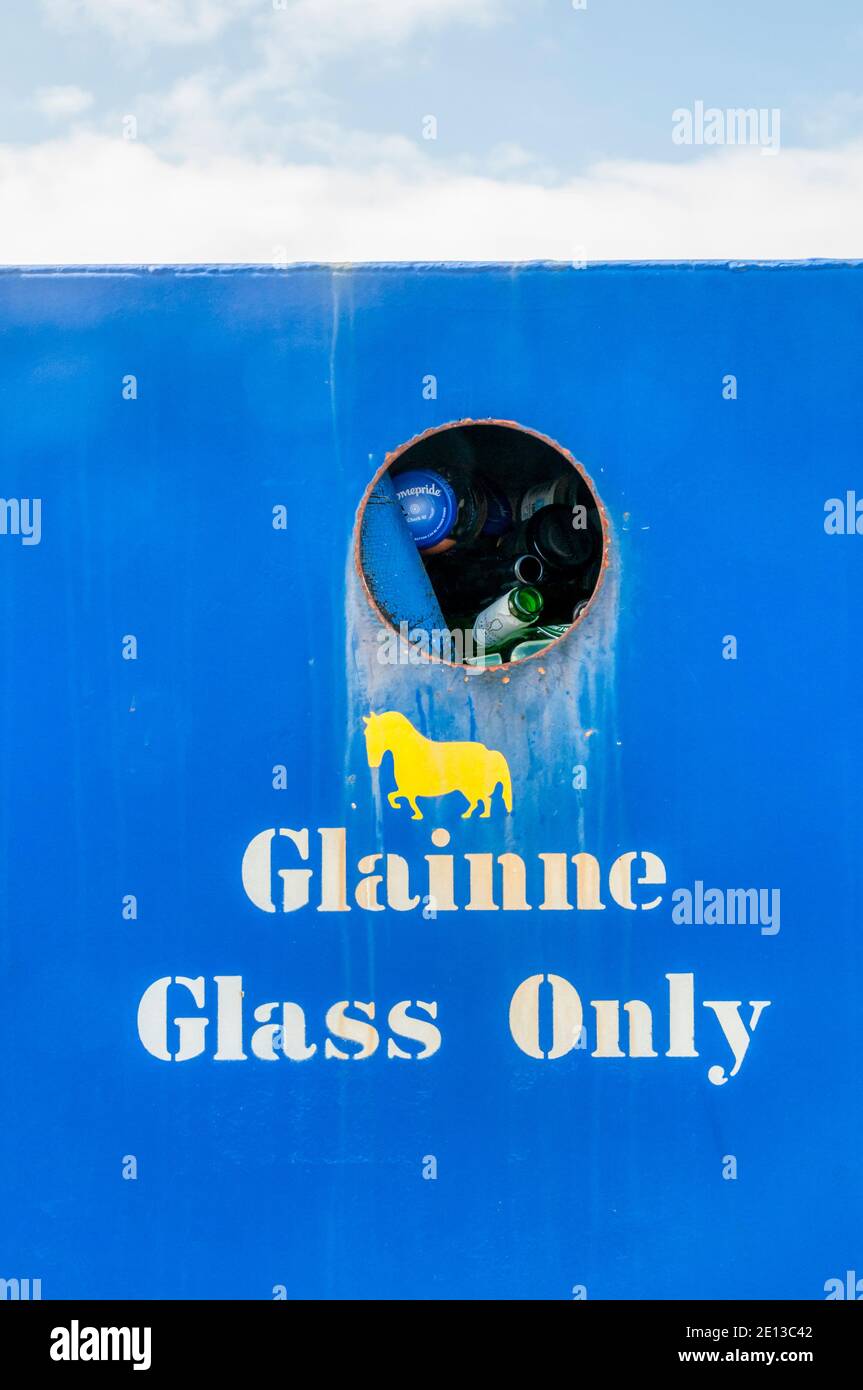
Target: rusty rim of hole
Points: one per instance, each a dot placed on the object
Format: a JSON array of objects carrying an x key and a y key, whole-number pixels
[{"x": 395, "y": 454}]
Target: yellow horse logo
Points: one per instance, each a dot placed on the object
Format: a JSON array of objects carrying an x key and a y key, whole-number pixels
[{"x": 425, "y": 768}]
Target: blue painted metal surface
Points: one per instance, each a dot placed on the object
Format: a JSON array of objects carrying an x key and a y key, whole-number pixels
[{"x": 256, "y": 647}]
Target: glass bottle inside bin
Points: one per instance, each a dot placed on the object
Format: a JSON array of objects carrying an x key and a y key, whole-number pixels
[
  {"x": 551, "y": 534},
  {"x": 568, "y": 489},
  {"x": 501, "y": 509},
  {"x": 444, "y": 507},
  {"x": 513, "y": 612},
  {"x": 479, "y": 577}
]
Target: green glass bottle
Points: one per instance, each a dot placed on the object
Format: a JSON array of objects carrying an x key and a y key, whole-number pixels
[{"x": 513, "y": 612}]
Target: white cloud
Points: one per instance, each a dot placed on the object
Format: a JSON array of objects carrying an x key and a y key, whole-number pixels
[
  {"x": 293, "y": 43},
  {"x": 59, "y": 102},
  {"x": 150, "y": 21},
  {"x": 319, "y": 28},
  {"x": 300, "y": 31},
  {"x": 266, "y": 96},
  {"x": 91, "y": 198},
  {"x": 270, "y": 102}
]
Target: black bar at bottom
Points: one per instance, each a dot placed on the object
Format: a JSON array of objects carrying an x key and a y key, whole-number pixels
[{"x": 159, "y": 1337}]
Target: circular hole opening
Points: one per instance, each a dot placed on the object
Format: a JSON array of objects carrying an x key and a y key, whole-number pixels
[{"x": 481, "y": 543}]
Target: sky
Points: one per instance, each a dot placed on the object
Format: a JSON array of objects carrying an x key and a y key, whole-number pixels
[{"x": 348, "y": 130}]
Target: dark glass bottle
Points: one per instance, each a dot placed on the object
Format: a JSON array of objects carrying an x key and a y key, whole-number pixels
[
  {"x": 444, "y": 507},
  {"x": 462, "y": 582},
  {"x": 553, "y": 537}
]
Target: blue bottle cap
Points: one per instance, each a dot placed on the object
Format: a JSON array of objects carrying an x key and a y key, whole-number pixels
[{"x": 429, "y": 504}]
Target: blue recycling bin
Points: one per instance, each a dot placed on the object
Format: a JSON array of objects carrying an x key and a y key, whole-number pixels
[{"x": 333, "y": 969}]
